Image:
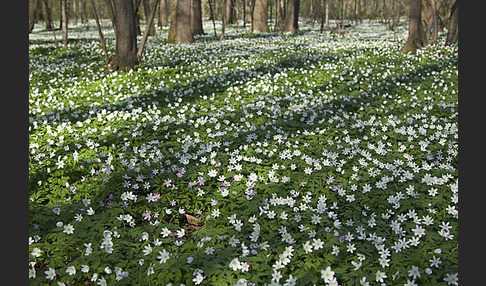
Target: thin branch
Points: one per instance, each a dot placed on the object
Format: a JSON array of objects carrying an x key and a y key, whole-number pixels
[
  {"x": 102, "y": 38},
  {"x": 147, "y": 30}
]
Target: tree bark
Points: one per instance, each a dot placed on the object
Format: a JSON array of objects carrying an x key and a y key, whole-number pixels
[
  {"x": 181, "y": 23},
  {"x": 416, "y": 35},
  {"x": 75, "y": 11},
  {"x": 292, "y": 19},
  {"x": 47, "y": 15},
  {"x": 163, "y": 13},
  {"x": 100, "y": 32},
  {"x": 327, "y": 14},
  {"x": 147, "y": 11},
  {"x": 260, "y": 20},
  {"x": 211, "y": 15},
  {"x": 196, "y": 18},
  {"x": 64, "y": 23},
  {"x": 33, "y": 8},
  {"x": 453, "y": 29},
  {"x": 223, "y": 20},
  {"x": 149, "y": 25},
  {"x": 230, "y": 12},
  {"x": 126, "y": 36}
]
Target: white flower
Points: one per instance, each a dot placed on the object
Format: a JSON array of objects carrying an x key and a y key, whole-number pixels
[
  {"x": 71, "y": 270},
  {"x": 198, "y": 279},
  {"x": 84, "y": 268},
  {"x": 235, "y": 264},
  {"x": 380, "y": 276},
  {"x": 327, "y": 274},
  {"x": 32, "y": 273},
  {"x": 147, "y": 249},
  {"x": 36, "y": 252},
  {"x": 163, "y": 256},
  {"x": 451, "y": 279},
  {"x": 50, "y": 274},
  {"x": 68, "y": 229}
]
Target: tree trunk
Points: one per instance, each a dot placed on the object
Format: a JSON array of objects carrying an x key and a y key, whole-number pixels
[
  {"x": 230, "y": 12},
  {"x": 149, "y": 25},
  {"x": 416, "y": 35},
  {"x": 196, "y": 18},
  {"x": 33, "y": 7},
  {"x": 327, "y": 14},
  {"x": 452, "y": 33},
  {"x": 47, "y": 15},
  {"x": 211, "y": 15},
  {"x": 292, "y": 19},
  {"x": 100, "y": 32},
  {"x": 126, "y": 36},
  {"x": 75, "y": 12},
  {"x": 181, "y": 23},
  {"x": 163, "y": 13},
  {"x": 147, "y": 11},
  {"x": 64, "y": 23},
  {"x": 260, "y": 13},
  {"x": 223, "y": 20}
]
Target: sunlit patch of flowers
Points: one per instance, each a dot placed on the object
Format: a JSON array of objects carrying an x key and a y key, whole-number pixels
[{"x": 258, "y": 160}]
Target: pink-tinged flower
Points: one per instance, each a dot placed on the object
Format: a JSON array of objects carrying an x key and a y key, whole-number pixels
[
  {"x": 172, "y": 203},
  {"x": 342, "y": 238},
  {"x": 146, "y": 215}
]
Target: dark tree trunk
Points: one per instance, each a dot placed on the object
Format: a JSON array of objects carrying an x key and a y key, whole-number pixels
[
  {"x": 223, "y": 20},
  {"x": 181, "y": 23},
  {"x": 34, "y": 6},
  {"x": 260, "y": 12},
  {"x": 416, "y": 35},
  {"x": 47, "y": 15},
  {"x": 75, "y": 11},
  {"x": 211, "y": 15},
  {"x": 100, "y": 32},
  {"x": 164, "y": 13},
  {"x": 452, "y": 33},
  {"x": 292, "y": 19},
  {"x": 230, "y": 12},
  {"x": 196, "y": 18},
  {"x": 150, "y": 22},
  {"x": 64, "y": 23},
  {"x": 84, "y": 16},
  {"x": 147, "y": 11},
  {"x": 136, "y": 6},
  {"x": 327, "y": 14},
  {"x": 126, "y": 36}
]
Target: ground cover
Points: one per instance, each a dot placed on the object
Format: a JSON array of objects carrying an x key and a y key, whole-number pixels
[{"x": 258, "y": 160}]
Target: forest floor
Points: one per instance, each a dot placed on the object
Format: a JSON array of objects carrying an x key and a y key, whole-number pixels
[{"x": 258, "y": 160}]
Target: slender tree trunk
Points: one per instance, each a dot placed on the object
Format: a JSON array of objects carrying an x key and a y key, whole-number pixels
[
  {"x": 47, "y": 15},
  {"x": 100, "y": 32},
  {"x": 211, "y": 15},
  {"x": 327, "y": 14},
  {"x": 150, "y": 24},
  {"x": 64, "y": 23},
  {"x": 33, "y": 8},
  {"x": 164, "y": 13},
  {"x": 75, "y": 12},
  {"x": 196, "y": 20},
  {"x": 223, "y": 20},
  {"x": 453, "y": 29},
  {"x": 147, "y": 12},
  {"x": 260, "y": 20},
  {"x": 252, "y": 9},
  {"x": 136, "y": 5},
  {"x": 229, "y": 11},
  {"x": 292, "y": 17},
  {"x": 111, "y": 9},
  {"x": 181, "y": 23},
  {"x": 416, "y": 35},
  {"x": 126, "y": 36}
]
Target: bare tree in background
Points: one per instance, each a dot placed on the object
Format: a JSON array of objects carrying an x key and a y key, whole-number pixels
[
  {"x": 416, "y": 35},
  {"x": 260, "y": 16},
  {"x": 126, "y": 35},
  {"x": 292, "y": 19},
  {"x": 180, "y": 31},
  {"x": 196, "y": 18},
  {"x": 47, "y": 15},
  {"x": 163, "y": 13},
  {"x": 147, "y": 12},
  {"x": 64, "y": 16},
  {"x": 452, "y": 33}
]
